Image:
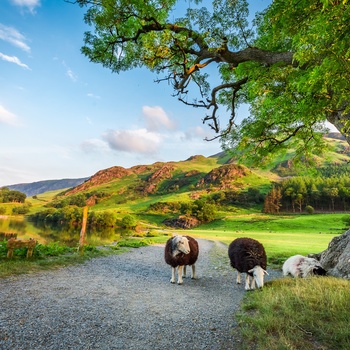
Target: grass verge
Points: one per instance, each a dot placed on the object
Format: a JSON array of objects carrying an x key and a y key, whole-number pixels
[
  {"x": 310, "y": 313},
  {"x": 56, "y": 255}
]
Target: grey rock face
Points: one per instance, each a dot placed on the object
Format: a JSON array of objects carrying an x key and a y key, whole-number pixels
[{"x": 336, "y": 258}]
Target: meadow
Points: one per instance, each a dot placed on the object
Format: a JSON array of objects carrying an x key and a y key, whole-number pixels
[{"x": 281, "y": 235}]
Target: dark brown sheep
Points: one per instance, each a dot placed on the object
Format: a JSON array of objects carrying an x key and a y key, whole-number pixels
[
  {"x": 179, "y": 252},
  {"x": 248, "y": 256}
]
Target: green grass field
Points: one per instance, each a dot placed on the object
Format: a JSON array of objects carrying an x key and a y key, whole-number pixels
[{"x": 282, "y": 236}]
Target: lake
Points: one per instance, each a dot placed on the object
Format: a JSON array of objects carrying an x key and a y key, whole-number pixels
[{"x": 67, "y": 235}]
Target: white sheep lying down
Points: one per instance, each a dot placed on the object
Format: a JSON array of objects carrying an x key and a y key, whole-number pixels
[{"x": 302, "y": 266}]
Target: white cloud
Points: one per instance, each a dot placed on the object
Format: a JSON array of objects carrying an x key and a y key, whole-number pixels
[
  {"x": 30, "y": 4},
  {"x": 196, "y": 132},
  {"x": 94, "y": 146},
  {"x": 91, "y": 95},
  {"x": 13, "y": 59},
  {"x": 14, "y": 37},
  {"x": 156, "y": 118},
  {"x": 133, "y": 141},
  {"x": 7, "y": 117},
  {"x": 71, "y": 75}
]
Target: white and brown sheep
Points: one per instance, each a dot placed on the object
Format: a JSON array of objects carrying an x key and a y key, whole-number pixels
[
  {"x": 179, "y": 252},
  {"x": 248, "y": 256},
  {"x": 302, "y": 266}
]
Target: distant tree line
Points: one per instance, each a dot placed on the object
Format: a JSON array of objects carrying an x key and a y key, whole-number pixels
[
  {"x": 73, "y": 216},
  {"x": 201, "y": 209},
  {"x": 11, "y": 196},
  {"x": 205, "y": 208},
  {"x": 78, "y": 200},
  {"x": 301, "y": 193}
]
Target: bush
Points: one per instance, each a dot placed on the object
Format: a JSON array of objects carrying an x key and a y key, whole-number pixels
[
  {"x": 52, "y": 249},
  {"x": 22, "y": 210},
  {"x": 346, "y": 220},
  {"x": 309, "y": 209},
  {"x": 129, "y": 222}
]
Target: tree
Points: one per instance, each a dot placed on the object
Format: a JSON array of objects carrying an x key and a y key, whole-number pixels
[
  {"x": 272, "y": 202},
  {"x": 292, "y": 66},
  {"x": 129, "y": 222}
]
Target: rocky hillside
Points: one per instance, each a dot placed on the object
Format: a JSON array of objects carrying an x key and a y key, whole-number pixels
[{"x": 219, "y": 171}]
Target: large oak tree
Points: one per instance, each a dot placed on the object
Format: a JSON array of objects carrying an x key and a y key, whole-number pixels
[{"x": 291, "y": 64}]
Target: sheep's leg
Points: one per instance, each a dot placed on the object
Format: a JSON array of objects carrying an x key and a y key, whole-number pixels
[
  {"x": 173, "y": 270},
  {"x": 193, "y": 275},
  {"x": 184, "y": 272},
  {"x": 179, "y": 274},
  {"x": 247, "y": 282},
  {"x": 238, "y": 278},
  {"x": 252, "y": 286}
]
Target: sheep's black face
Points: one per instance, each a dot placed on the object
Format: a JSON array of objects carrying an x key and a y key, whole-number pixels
[{"x": 318, "y": 270}]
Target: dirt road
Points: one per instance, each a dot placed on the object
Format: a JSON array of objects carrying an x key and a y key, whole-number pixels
[{"x": 123, "y": 302}]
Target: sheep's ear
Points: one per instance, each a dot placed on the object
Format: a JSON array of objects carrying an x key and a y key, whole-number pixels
[
  {"x": 265, "y": 272},
  {"x": 250, "y": 271}
]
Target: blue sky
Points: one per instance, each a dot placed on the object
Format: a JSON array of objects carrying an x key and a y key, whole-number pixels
[{"x": 64, "y": 117}]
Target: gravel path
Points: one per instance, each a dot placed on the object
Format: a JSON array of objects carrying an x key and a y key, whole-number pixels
[{"x": 124, "y": 301}]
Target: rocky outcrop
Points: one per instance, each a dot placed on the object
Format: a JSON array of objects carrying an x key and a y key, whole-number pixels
[
  {"x": 224, "y": 176},
  {"x": 182, "y": 222},
  {"x": 336, "y": 258},
  {"x": 101, "y": 177},
  {"x": 152, "y": 182}
]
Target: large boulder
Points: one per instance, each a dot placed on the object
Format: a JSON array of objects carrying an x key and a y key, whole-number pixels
[
  {"x": 336, "y": 258},
  {"x": 182, "y": 222}
]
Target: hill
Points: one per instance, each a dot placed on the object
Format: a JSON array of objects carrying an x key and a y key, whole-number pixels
[
  {"x": 34, "y": 188},
  {"x": 219, "y": 171}
]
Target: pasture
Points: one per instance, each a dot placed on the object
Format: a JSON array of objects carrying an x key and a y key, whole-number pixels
[{"x": 282, "y": 236}]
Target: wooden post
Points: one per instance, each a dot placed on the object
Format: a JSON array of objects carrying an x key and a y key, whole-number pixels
[{"x": 83, "y": 229}]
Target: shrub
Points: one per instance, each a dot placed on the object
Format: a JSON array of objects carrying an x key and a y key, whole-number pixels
[
  {"x": 22, "y": 210},
  {"x": 309, "y": 209},
  {"x": 129, "y": 222}
]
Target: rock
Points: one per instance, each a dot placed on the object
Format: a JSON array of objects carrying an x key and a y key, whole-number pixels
[
  {"x": 224, "y": 176},
  {"x": 182, "y": 222},
  {"x": 336, "y": 258}
]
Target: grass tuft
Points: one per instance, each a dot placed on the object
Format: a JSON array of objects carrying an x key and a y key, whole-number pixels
[{"x": 297, "y": 314}]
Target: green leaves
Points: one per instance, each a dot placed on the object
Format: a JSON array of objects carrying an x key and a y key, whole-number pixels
[{"x": 293, "y": 71}]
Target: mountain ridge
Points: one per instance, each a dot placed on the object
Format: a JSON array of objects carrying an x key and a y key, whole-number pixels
[
  {"x": 38, "y": 187},
  {"x": 154, "y": 174}
]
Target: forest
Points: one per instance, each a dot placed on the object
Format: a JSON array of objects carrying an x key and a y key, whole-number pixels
[{"x": 307, "y": 193}]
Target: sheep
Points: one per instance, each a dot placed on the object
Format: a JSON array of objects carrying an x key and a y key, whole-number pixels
[
  {"x": 302, "y": 266},
  {"x": 179, "y": 252},
  {"x": 248, "y": 255}
]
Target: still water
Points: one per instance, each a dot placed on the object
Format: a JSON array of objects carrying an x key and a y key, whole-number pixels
[{"x": 67, "y": 235}]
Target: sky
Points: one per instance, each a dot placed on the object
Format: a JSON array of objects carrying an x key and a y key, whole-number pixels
[{"x": 62, "y": 116}]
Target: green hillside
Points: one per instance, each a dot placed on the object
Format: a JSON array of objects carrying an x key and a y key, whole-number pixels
[{"x": 155, "y": 192}]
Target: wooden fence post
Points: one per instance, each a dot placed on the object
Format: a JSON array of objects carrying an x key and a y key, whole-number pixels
[{"x": 83, "y": 229}]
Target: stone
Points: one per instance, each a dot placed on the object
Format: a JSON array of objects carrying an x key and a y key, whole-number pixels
[{"x": 336, "y": 258}]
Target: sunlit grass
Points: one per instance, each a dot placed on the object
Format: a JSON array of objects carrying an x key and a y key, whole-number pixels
[{"x": 311, "y": 313}]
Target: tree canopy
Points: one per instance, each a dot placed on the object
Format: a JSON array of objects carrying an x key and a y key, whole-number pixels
[{"x": 291, "y": 64}]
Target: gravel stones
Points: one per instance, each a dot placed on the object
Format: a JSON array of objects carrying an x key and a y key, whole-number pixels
[{"x": 123, "y": 301}]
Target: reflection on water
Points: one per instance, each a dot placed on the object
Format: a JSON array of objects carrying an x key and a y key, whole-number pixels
[{"x": 67, "y": 235}]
